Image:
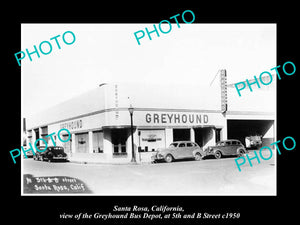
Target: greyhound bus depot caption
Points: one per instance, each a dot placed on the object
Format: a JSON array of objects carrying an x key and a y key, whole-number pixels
[{"x": 155, "y": 212}]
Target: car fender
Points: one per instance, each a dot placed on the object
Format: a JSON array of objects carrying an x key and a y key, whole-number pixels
[
  {"x": 241, "y": 148},
  {"x": 165, "y": 152},
  {"x": 217, "y": 149},
  {"x": 202, "y": 153},
  {"x": 169, "y": 153}
]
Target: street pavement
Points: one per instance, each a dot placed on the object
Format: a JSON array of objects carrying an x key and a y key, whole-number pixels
[{"x": 205, "y": 177}]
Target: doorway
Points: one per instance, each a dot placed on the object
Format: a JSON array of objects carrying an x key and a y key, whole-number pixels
[{"x": 118, "y": 139}]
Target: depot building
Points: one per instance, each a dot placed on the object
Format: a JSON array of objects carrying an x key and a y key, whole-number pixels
[{"x": 102, "y": 121}]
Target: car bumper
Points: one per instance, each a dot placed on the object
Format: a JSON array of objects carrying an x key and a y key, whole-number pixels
[
  {"x": 59, "y": 158},
  {"x": 157, "y": 157},
  {"x": 209, "y": 153}
]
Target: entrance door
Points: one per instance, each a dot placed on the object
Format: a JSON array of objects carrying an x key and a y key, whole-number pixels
[
  {"x": 98, "y": 141},
  {"x": 118, "y": 138},
  {"x": 37, "y": 136},
  {"x": 218, "y": 135},
  {"x": 67, "y": 145}
]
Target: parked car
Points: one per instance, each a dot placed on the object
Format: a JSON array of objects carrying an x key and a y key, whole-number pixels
[
  {"x": 179, "y": 150},
  {"x": 37, "y": 155},
  {"x": 29, "y": 154},
  {"x": 51, "y": 153},
  {"x": 254, "y": 141},
  {"x": 226, "y": 147}
]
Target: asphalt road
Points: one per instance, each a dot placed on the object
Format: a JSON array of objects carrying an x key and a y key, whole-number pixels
[{"x": 206, "y": 177}]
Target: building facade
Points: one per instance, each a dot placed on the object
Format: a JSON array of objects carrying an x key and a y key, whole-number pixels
[{"x": 100, "y": 122}]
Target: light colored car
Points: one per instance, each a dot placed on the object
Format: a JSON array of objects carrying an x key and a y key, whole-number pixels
[
  {"x": 227, "y": 147},
  {"x": 179, "y": 150},
  {"x": 29, "y": 154}
]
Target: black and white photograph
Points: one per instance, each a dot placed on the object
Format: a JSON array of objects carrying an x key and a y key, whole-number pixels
[
  {"x": 168, "y": 116},
  {"x": 150, "y": 115}
]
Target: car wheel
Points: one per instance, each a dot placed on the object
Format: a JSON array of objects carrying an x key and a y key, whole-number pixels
[
  {"x": 218, "y": 155},
  {"x": 240, "y": 153},
  {"x": 169, "y": 158},
  {"x": 198, "y": 156}
]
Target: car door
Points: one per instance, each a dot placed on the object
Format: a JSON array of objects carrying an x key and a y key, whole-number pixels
[
  {"x": 181, "y": 150},
  {"x": 190, "y": 147},
  {"x": 234, "y": 147},
  {"x": 227, "y": 148}
]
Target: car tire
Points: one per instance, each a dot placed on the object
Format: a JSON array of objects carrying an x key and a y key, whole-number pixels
[
  {"x": 241, "y": 152},
  {"x": 218, "y": 155},
  {"x": 198, "y": 156},
  {"x": 169, "y": 158}
]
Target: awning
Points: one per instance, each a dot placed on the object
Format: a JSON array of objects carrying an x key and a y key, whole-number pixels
[
  {"x": 204, "y": 126},
  {"x": 118, "y": 127}
]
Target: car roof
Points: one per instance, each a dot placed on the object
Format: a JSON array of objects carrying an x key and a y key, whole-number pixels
[
  {"x": 54, "y": 147},
  {"x": 183, "y": 142},
  {"x": 230, "y": 140}
]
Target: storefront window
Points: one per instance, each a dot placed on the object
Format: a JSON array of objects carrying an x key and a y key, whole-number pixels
[
  {"x": 151, "y": 140},
  {"x": 98, "y": 141},
  {"x": 82, "y": 143},
  {"x": 181, "y": 135}
]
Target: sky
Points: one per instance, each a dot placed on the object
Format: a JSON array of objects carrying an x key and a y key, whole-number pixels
[{"x": 104, "y": 53}]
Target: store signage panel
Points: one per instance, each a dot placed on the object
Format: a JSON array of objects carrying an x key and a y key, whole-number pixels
[
  {"x": 176, "y": 118},
  {"x": 72, "y": 125},
  {"x": 163, "y": 118}
]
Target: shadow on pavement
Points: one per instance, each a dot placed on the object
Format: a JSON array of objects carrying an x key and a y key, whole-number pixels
[{"x": 54, "y": 185}]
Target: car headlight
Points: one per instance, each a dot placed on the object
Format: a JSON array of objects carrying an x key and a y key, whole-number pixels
[
  {"x": 160, "y": 156},
  {"x": 209, "y": 149}
]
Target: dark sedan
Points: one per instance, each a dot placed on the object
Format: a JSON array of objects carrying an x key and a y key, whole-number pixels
[
  {"x": 227, "y": 147},
  {"x": 52, "y": 153}
]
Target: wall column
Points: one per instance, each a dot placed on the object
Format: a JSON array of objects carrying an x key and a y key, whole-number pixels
[
  {"x": 73, "y": 146},
  {"x": 224, "y": 132},
  {"x": 192, "y": 134},
  {"x": 90, "y": 141},
  {"x": 169, "y": 136},
  {"x": 107, "y": 145},
  {"x": 33, "y": 137}
]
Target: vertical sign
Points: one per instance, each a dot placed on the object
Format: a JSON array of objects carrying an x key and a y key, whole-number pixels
[
  {"x": 223, "y": 79},
  {"x": 116, "y": 102}
]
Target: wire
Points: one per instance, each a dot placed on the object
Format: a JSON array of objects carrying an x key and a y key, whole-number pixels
[{"x": 214, "y": 78}]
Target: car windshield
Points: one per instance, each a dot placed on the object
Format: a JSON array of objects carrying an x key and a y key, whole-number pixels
[
  {"x": 173, "y": 145},
  {"x": 220, "y": 144}
]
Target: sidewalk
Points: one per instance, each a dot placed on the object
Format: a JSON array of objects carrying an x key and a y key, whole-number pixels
[{"x": 141, "y": 158}]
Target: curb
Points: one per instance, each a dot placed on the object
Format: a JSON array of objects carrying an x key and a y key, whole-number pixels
[{"x": 109, "y": 163}]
